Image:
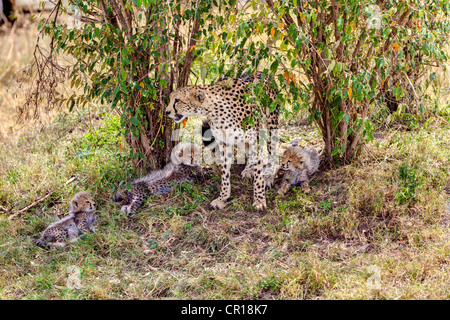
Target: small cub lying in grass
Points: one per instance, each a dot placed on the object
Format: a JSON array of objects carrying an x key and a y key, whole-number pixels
[
  {"x": 298, "y": 164},
  {"x": 183, "y": 167},
  {"x": 80, "y": 220}
]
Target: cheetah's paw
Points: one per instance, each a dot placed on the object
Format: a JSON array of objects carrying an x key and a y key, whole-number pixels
[
  {"x": 125, "y": 209},
  {"x": 260, "y": 205},
  {"x": 218, "y": 204},
  {"x": 306, "y": 190}
]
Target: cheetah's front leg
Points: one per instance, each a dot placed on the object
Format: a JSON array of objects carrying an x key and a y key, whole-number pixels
[
  {"x": 285, "y": 185},
  {"x": 59, "y": 244},
  {"x": 250, "y": 144},
  {"x": 259, "y": 195},
  {"x": 226, "y": 159},
  {"x": 303, "y": 180},
  {"x": 84, "y": 227},
  {"x": 305, "y": 187},
  {"x": 305, "y": 184},
  {"x": 259, "y": 189},
  {"x": 272, "y": 146}
]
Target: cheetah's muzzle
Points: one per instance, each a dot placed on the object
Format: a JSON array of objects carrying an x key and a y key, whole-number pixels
[{"x": 178, "y": 118}]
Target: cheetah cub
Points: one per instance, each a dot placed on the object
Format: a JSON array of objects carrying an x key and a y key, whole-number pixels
[
  {"x": 80, "y": 220},
  {"x": 183, "y": 167},
  {"x": 298, "y": 164}
]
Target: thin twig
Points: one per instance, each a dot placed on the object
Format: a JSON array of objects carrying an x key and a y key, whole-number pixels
[
  {"x": 30, "y": 206},
  {"x": 5, "y": 19},
  {"x": 412, "y": 87}
]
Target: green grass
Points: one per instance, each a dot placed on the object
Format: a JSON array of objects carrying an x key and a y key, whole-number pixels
[
  {"x": 389, "y": 209},
  {"x": 384, "y": 210}
]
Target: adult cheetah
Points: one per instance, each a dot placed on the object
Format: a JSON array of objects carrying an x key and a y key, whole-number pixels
[{"x": 229, "y": 115}]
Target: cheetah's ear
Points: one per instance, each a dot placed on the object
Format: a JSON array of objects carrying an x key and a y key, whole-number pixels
[
  {"x": 200, "y": 95},
  {"x": 75, "y": 203}
]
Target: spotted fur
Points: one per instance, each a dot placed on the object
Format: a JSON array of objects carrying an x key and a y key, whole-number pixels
[
  {"x": 299, "y": 164},
  {"x": 223, "y": 104},
  {"x": 182, "y": 168},
  {"x": 80, "y": 220}
]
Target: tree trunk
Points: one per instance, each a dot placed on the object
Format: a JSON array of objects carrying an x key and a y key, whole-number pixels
[{"x": 6, "y": 11}]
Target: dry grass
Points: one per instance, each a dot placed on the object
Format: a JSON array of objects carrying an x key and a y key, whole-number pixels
[{"x": 389, "y": 210}]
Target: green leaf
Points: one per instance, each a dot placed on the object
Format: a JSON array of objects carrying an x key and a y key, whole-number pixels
[
  {"x": 203, "y": 72},
  {"x": 116, "y": 90},
  {"x": 123, "y": 74},
  {"x": 397, "y": 92},
  {"x": 347, "y": 118},
  {"x": 135, "y": 121},
  {"x": 331, "y": 66},
  {"x": 339, "y": 23},
  {"x": 274, "y": 66}
]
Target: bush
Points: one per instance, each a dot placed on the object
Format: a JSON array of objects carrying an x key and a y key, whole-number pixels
[
  {"x": 130, "y": 55},
  {"x": 338, "y": 59}
]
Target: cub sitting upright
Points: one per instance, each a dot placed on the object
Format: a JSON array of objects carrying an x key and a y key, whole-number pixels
[
  {"x": 183, "y": 167},
  {"x": 299, "y": 164},
  {"x": 80, "y": 220}
]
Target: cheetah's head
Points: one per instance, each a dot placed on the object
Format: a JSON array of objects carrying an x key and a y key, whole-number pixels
[
  {"x": 293, "y": 159},
  {"x": 185, "y": 102},
  {"x": 82, "y": 201}
]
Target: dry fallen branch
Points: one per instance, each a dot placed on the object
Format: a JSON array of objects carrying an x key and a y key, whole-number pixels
[
  {"x": 71, "y": 180},
  {"x": 5, "y": 20},
  {"x": 30, "y": 206},
  {"x": 36, "y": 202}
]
